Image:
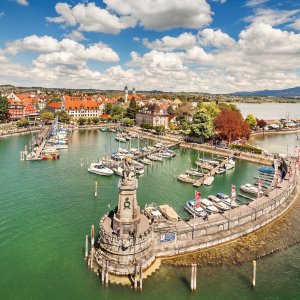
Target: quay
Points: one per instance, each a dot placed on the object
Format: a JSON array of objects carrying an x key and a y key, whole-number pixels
[{"x": 131, "y": 240}]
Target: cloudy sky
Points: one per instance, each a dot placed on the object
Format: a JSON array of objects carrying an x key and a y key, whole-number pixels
[{"x": 214, "y": 46}]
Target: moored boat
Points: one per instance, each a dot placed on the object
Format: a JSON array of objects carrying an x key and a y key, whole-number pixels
[
  {"x": 267, "y": 170},
  {"x": 209, "y": 180},
  {"x": 186, "y": 178},
  {"x": 195, "y": 209},
  {"x": 100, "y": 169},
  {"x": 249, "y": 188}
]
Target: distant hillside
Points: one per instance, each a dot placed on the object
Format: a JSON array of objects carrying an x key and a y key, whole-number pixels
[{"x": 291, "y": 92}]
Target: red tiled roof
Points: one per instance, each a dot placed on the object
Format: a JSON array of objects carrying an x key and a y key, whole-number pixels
[
  {"x": 55, "y": 105},
  {"x": 79, "y": 104}
]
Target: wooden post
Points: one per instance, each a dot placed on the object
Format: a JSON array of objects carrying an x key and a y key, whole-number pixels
[
  {"x": 141, "y": 278},
  {"x": 92, "y": 236},
  {"x": 135, "y": 277},
  {"x": 96, "y": 188},
  {"x": 192, "y": 278},
  {"x": 86, "y": 246},
  {"x": 195, "y": 277},
  {"x": 254, "y": 273},
  {"x": 106, "y": 274},
  {"x": 103, "y": 271}
]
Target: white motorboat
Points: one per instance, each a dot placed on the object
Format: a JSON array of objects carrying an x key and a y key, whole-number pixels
[
  {"x": 138, "y": 167},
  {"x": 146, "y": 161},
  {"x": 193, "y": 208},
  {"x": 209, "y": 160},
  {"x": 154, "y": 157},
  {"x": 225, "y": 199},
  {"x": 122, "y": 150},
  {"x": 230, "y": 164},
  {"x": 171, "y": 152},
  {"x": 209, "y": 180},
  {"x": 249, "y": 188},
  {"x": 186, "y": 178},
  {"x": 194, "y": 172},
  {"x": 100, "y": 169},
  {"x": 221, "y": 171},
  {"x": 218, "y": 203},
  {"x": 120, "y": 138},
  {"x": 209, "y": 206}
]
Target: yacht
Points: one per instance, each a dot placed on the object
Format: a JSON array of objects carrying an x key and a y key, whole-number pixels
[
  {"x": 192, "y": 208},
  {"x": 146, "y": 161},
  {"x": 209, "y": 206},
  {"x": 221, "y": 171},
  {"x": 267, "y": 170},
  {"x": 230, "y": 164},
  {"x": 218, "y": 203},
  {"x": 155, "y": 157},
  {"x": 225, "y": 199},
  {"x": 249, "y": 188},
  {"x": 186, "y": 178},
  {"x": 194, "y": 172},
  {"x": 100, "y": 169},
  {"x": 120, "y": 138}
]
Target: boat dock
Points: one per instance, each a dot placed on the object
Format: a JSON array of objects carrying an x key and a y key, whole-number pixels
[
  {"x": 42, "y": 139},
  {"x": 201, "y": 180}
]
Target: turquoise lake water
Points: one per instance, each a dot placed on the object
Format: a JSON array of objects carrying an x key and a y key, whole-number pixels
[{"x": 47, "y": 208}]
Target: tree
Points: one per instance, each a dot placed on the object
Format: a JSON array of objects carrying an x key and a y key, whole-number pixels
[
  {"x": 23, "y": 122},
  {"x": 251, "y": 120},
  {"x": 230, "y": 106},
  {"x": 202, "y": 124},
  {"x": 81, "y": 121},
  {"x": 108, "y": 108},
  {"x": 146, "y": 125},
  {"x": 230, "y": 125},
  {"x": 212, "y": 110},
  {"x": 95, "y": 120},
  {"x": 261, "y": 123},
  {"x": 117, "y": 110},
  {"x": 127, "y": 121},
  {"x": 46, "y": 116},
  {"x": 183, "y": 112},
  {"x": 63, "y": 117},
  {"x": 4, "y": 105},
  {"x": 131, "y": 110},
  {"x": 170, "y": 110}
]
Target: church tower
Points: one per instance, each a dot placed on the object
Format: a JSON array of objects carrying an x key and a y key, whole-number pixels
[
  {"x": 126, "y": 93},
  {"x": 133, "y": 92}
]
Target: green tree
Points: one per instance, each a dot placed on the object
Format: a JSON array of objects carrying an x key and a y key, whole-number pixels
[
  {"x": 95, "y": 120},
  {"x": 212, "y": 109},
  {"x": 170, "y": 110},
  {"x": 202, "y": 124},
  {"x": 3, "y": 109},
  {"x": 117, "y": 110},
  {"x": 146, "y": 125},
  {"x": 63, "y": 117},
  {"x": 81, "y": 121},
  {"x": 131, "y": 110},
  {"x": 251, "y": 120},
  {"x": 46, "y": 116},
  {"x": 127, "y": 121},
  {"x": 23, "y": 122},
  {"x": 108, "y": 108}
]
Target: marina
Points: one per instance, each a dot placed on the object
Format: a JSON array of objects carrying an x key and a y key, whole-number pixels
[{"x": 81, "y": 204}]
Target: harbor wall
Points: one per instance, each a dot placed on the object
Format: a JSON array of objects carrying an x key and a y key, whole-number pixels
[{"x": 227, "y": 228}]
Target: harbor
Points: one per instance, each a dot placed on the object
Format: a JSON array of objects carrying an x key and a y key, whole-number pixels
[{"x": 64, "y": 207}]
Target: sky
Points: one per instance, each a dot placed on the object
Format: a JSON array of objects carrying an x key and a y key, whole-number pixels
[{"x": 210, "y": 46}]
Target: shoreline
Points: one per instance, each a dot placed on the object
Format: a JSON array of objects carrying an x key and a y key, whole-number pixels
[{"x": 275, "y": 132}]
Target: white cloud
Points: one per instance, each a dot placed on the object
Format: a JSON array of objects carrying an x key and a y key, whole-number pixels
[
  {"x": 122, "y": 14},
  {"x": 2, "y": 14},
  {"x": 76, "y": 36},
  {"x": 183, "y": 41},
  {"x": 91, "y": 18},
  {"x": 33, "y": 43},
  {"x": 66, "y": 51},
  {"x": 23, "y": 2},
  {"x": 215, "y": 38},
  {"x": 272, "y": 17},
  {"x": 221, "y": 1},
  {"x": 252, "y": 3},
  {"x": 164, "y": 14},
  {"x": 295, "y": 24}
]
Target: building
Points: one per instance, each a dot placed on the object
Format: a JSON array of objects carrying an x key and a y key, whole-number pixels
[
  {"x": 152, "y": 114},
  {"x": 82, "y": 108},
  {"x": 22, "y": 105},
  {"x": 55, "y": 107}
]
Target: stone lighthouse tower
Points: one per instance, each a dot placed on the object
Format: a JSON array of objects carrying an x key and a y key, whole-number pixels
[
  {"x": 126, "y": 93},
  {"x": 125, "y": 235}
]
